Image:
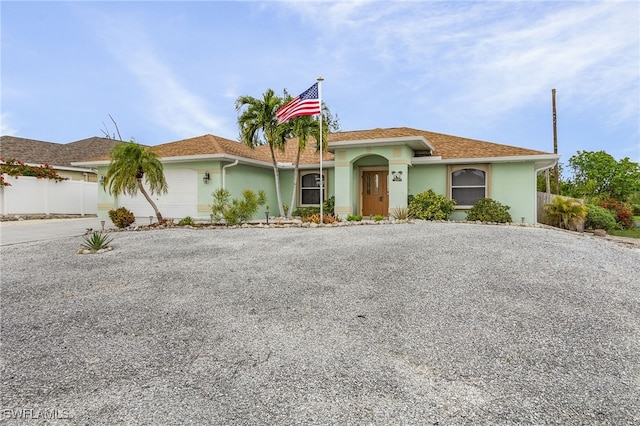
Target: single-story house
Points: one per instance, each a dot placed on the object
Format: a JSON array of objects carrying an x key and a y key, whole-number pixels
[{"x": 369, "y": 172}]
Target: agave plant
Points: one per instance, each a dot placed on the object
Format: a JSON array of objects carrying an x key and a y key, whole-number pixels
[{"x": 96, "y": 241}]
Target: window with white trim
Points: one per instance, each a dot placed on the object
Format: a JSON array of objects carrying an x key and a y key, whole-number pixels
[
  {"x": 310, "y": 188},
  {"x": 468, "y": 184}
]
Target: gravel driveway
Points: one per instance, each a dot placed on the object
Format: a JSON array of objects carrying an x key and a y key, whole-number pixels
[{"x": 425, "y": 323}]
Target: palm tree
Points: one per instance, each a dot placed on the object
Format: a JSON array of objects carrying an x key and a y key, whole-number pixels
[
  {"x": 303, "y": 127},
  {"x": 259, "y": 126},
  {"x": 130, "y": 163}
]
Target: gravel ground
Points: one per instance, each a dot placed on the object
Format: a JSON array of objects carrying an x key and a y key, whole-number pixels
[{"x": 425, "y": 323}]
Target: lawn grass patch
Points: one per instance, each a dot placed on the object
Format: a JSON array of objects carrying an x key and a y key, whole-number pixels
[{"x": 629, "y": 233}]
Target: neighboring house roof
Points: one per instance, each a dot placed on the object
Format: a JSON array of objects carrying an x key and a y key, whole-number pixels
[{"x": 55, "y": 154}]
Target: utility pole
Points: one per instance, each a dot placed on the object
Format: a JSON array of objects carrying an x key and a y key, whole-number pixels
[{"x": 556, "y": 170}]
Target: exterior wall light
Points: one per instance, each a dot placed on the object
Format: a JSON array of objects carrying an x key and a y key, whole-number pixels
[
  {"x": 206, "y": 177},
  {"x": 397, "y": 176},
  {"x": 102, "y": 180}
]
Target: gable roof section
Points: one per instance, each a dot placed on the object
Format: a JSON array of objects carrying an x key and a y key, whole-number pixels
[{"x": 62, "y": 155}]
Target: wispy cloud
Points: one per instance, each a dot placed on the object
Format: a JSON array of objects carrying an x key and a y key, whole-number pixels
[
  {"x": 494, "y": 57},
  {"x": 169, "y": 102}
]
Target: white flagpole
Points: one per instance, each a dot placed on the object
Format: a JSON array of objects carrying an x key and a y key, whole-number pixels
[{"x": 320, "y": 80}]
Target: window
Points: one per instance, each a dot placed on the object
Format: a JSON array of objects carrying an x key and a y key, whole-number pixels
[
  {"x": 310, "y": 188},
  {"x": 468, "y": 184}
]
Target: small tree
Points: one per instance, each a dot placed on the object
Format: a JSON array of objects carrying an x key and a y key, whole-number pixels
[{"x": 598, "y": 174}]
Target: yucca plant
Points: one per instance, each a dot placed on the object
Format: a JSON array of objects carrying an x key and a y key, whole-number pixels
[
  {"x": 96, "y": 241},
  {"x": 400, "y": 213}
]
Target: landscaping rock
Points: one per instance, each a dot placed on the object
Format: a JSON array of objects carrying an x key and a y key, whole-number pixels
[{"x": 600, "y": 233}]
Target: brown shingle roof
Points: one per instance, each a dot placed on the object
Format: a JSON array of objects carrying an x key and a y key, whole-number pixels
[
  {"x": 446, "y": 146},
  {"x": 208, "y": 145},
  {"x": 55, "y": 154}
]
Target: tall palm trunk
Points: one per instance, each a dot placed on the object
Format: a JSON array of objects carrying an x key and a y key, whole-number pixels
[
  {"x": 144, "y": 192},
  {"x": 276, "y": 175},
  {"x": 295, "y": 183}
]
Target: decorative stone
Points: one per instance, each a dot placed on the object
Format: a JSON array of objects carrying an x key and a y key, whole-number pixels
[{"x": 600, "y": 233}]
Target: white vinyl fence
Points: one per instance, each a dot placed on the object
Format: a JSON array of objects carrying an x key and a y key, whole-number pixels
[{"x": 29, "y": 195}]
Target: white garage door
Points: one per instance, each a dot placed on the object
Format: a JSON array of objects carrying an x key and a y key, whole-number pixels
[{"x": 180, "y": 201}]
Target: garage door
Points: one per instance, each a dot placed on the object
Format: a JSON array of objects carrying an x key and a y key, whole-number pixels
[{"x": 180, "y": 201}]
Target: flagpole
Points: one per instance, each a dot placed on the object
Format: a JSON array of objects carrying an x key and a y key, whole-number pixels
[{"x": 320, "y": 80}]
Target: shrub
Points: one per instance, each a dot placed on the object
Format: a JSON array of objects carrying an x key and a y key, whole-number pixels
[
  {"x": 564, "y": 212},
  {"x": 599, "y": 218},
  {"x": 488, "y": 210},
  {"x": 186, "y": 221},
  {"x": 304, "y": 212},
  {"x": 236, "y": 211},
  {"x": 96, "y": 241},
  {"x": 354, "y": 217},
  {"x": 621, "y": 212},
  {"x": 329, "y": 205},
  {"x": 428, "y": 205},
  {"x": 121, "y": 217},
  {"x": 400, "y": 213},
  {"x": 378, "y": 217}
]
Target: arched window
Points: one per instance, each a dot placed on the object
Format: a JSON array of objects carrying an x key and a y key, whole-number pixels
[{"x": 468, "y": 185}]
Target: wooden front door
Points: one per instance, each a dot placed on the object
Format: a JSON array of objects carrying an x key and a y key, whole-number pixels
[{"x": 375, "y": 199}]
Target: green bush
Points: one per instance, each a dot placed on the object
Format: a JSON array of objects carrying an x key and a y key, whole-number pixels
[
  {"x": 428, "y": 205},
  {"x": 121, "y": 217},
  {"x": 378, "y": 217},
  {"x": 236, "y": 211},
  {"x": 186, "y": 221},
  {"x": 599, "y": 218},
  {"x": 329, "y": 205},
  {"x": 354, "y": 218},
  {"x": 489, "y": 210}
]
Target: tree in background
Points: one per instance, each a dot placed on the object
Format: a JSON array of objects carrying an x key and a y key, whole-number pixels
[
  {"x": 599, "y": 175},
  {"x": 130, "y": 164},
  {"x": 259, "y": 126}
]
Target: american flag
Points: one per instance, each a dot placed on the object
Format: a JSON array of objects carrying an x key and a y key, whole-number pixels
[{"x": 307, "y": 103}]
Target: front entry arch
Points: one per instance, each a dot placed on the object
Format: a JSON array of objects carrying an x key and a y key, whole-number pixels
[{"x": 375, "y": 193}]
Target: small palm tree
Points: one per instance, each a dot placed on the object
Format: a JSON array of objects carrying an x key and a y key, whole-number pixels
[
  {"x": 130, "y": 164},
  {"x": 564, "y": 212}
]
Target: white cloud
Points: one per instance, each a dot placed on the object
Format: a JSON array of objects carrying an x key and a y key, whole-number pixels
[
  {"x": 6, "y": 127},
  {"x": 490, "y": 58},
  {"x": 170, "y": 103}
]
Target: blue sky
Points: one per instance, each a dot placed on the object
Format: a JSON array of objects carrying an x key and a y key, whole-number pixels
[{"x": 172, "y": 70}]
